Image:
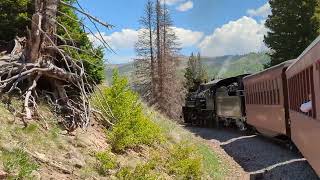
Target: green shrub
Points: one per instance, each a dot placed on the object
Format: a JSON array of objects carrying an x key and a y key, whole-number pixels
[
  {"x": 105, "y": 162},
  {"x": 141, "y": 172},
  {"x": 124, "y": 173},
  {"x": 133, "y": 132},
  {"x": 185, "y": 162},
  {"x": 122, "y": 106},
  {"x": 18, "y": 164}
]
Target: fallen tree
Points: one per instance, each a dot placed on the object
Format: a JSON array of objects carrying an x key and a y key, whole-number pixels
[{"x": 38, "y": 66}]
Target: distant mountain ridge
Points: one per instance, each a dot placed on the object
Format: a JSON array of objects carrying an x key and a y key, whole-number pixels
[{"x": 217, "y": 67}]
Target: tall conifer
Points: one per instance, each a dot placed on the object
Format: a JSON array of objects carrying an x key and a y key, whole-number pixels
[{"x": 291, "y": 28}]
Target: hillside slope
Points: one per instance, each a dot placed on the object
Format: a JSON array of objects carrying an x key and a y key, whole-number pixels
[
  {"x": 43, "y": 150},
  {"x": 217, "y": 67}
]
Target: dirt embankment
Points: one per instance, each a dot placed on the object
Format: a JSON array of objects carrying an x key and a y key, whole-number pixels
[{"x": 259, "y": 157}]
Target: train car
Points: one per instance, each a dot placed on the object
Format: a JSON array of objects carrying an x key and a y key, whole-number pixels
[
  {"x": 303, "y": 78},
  {"x": 199, "y": 106},
  {"x": 229, "y": 101},
  {"x": 267, "y": 101}
]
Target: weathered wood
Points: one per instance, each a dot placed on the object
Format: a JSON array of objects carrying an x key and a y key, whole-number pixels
[
  {"x": 35, "y": 39},
  {"x": 45, "y": 63}
]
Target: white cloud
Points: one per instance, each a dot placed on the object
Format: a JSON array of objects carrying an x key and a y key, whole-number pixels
[
  {"x": 236, "y": 37},
  {"x": 126, "y": 38},
  {"x": 171, "y": 2},
  {"x": 187, "y": 37},
  {"x": 185, "y": 6},
  {"x": 118, "y": 40},
  {"x": 262, "y": 11}
]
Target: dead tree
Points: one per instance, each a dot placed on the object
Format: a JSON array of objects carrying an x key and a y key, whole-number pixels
[
  {"x": 38, "y": 66},
  {"x": 171, "y": 90},
  {"x": 145, "y": 65},
  {"x": 157, "y": 50}
]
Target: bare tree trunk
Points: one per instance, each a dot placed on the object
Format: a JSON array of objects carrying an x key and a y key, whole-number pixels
[
  {"x": 145, "y": 65},
  {"x": 153, "y": 78},
  {"x": 159, "y": 53}
]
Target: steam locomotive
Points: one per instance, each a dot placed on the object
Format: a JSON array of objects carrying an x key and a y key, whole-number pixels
[{"x": 269, "y": 102}]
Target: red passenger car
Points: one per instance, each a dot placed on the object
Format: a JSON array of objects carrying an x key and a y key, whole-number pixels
[
  {"x": 303, "y": 78},
  {"x": 267, "y": 101}
]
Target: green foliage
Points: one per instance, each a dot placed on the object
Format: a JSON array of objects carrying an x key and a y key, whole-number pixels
[
  {"x": 292, "y": 28},
  {"x": 14, "y": 18},
  {"x": 141, "y": 172},
  {"x": 181, "y": 161},
  {"x": 18, "y": 164},
  {"x": 93, "y": 62},
  {"x": 105, "y": 162},
  {"x": 185, "y": 162},
  {"x": 251, "y": 63},
  {"x": 316, "y": 16},
  {"x": 132, "y": 127},
  {"x": 195, "y": 73}
]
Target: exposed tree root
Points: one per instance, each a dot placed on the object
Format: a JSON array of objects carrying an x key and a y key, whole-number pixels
[{"x": 37, "y": 66}]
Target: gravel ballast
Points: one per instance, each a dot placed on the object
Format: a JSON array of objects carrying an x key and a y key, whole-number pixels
[{"x": 259, "y": 157}]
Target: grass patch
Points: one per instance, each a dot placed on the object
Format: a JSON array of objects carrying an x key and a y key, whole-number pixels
[
  {"x": 211, "y": 162},
  {"x": 176, "y": 134},
  {"x": 18, "y": 164},
  {"x": 105, "y": 162}
]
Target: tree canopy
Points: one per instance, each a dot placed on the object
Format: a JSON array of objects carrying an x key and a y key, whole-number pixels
[
  {"x": 292, "y": 27},
  {"x": 14, "y": 18},
  {"x": 195, "y": 73}
]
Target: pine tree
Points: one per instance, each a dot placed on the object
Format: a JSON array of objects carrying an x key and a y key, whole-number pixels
[
  {"x": 195, "y": 73},
  {"x": 94, "y": 65},
  {"x": 15, "y": 16},
  {"x": 316, "y": 17},
  {"x": 291, "y": 28},
  {"x": 202, "y": 72}
]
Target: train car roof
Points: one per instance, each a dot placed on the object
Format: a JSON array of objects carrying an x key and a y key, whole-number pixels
[
  {"x": 213, "y": 82},
  {"x": 230, "y": 80},
  {"x": 303, "y": 61},
  {"x": 282, "y": 65}
]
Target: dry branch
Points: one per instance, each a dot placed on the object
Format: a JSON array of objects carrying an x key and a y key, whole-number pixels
[
  {"x": 49, "y": 162},
  {"x": 38, "y": 65},
  {"x": 109, "y": 26}
]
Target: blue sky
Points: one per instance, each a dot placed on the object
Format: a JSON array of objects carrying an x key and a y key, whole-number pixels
[{"x": 212, "y": 27}]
